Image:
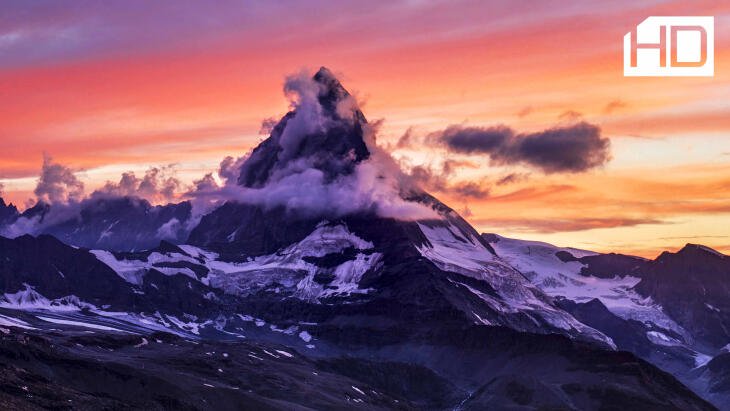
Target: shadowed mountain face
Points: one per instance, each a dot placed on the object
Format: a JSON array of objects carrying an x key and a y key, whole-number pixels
[
  {"x": 123, "y": 224},
  {"x": 693, "y": 286},
  {"x": 8, "y": 213},
  {"x": 43, "y": 272},
  {"x": 333, "y": 144},
  {"x": 380, "y": 294},
  {"x": 113, "y": 223}
]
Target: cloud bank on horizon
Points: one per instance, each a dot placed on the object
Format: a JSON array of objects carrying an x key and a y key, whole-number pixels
[{"x": 304, "y": 176}]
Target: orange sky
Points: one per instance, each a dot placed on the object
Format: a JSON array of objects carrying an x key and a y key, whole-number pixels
[{"x": 107, "y": 88}]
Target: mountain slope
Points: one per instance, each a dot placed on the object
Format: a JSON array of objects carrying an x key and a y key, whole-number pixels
[
  {"x": 692, "y": 284},
  {"x": 669, "y": 311}
]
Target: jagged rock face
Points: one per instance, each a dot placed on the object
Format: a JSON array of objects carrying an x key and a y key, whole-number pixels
[
  {"x": 334, "y": 147},
  {"x": 719, "y": 370},
  {"x": 611, "y": 265},
  {"x": 8, "y": 213},
  {"x": 118, "y": 223},
  {"x": 693, "y": 287},
  {"x": 39, "y": 211},
  {"x": 46, "y": 274},
  {"x": 54, "y": 270},
  {"x": 245, "y": 230}
]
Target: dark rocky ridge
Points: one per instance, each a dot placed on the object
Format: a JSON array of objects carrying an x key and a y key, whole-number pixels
[
  {"x": 55, "y": 270},
  {"x": 110, "y": 223},
  {"x": 693, "y": 286},
  {"x": 8, "y": 213},
  {"x": 335, "y": 149}
]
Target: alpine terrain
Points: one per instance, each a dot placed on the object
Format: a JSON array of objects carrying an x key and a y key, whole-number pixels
[{"x": 315, "y": 274}]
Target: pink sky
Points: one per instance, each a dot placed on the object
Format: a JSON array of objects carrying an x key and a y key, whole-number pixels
[{"x": 106, "y": 88}]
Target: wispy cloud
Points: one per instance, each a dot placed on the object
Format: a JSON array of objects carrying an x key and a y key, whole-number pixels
[{"x": 564, "y": 225}]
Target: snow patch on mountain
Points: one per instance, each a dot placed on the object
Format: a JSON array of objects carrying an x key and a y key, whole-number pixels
[
  {"x": 287, "y": 270},
  {"x": 29, "y": 299},
  {"x": 538, "y": 262},
  {"x": 452, "y": 250},
  {"x": 14, "y": 322},
  {"x": 77, "y": 323},
  {"x": 659, "y": 338},
  {"x": 133, "y": 271}
]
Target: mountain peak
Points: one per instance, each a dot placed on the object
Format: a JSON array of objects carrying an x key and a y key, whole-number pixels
[
  {"x": 694, "y": 249},
  {"x": 8, "y": 212},
  {"x": 331, "y": 91},
  {"x": 325, "y": 131}
]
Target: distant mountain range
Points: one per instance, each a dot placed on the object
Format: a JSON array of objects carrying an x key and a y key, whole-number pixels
[{"x": 321, "y": 278}]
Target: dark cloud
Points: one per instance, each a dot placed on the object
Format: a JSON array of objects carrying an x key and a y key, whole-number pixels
[
  {"x": 512, "y": 178},
  {"x": 474, "y": 140},
  {"x": 572, "y": 149},
  {"x": 450, "y": 165},
  {"x": 425, "y": 177},
  {"x": 470, "y": 190},
  {"x": 58, "y": 184},
  {"x": 431, "y": 180}
]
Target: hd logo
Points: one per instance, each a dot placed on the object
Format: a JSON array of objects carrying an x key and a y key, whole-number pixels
[{"x": 664, "y": 46}]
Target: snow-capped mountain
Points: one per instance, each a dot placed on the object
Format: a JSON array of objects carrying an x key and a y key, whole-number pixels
[
  {"x": 671, "y": 311},
  {"x": 319, "y": 243}
]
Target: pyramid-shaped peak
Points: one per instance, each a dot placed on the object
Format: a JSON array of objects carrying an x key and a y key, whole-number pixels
[
  {"x": 326, "y": 76},
  {"x": 332, "y": 92},
  {"x": 329, "y": 137}
]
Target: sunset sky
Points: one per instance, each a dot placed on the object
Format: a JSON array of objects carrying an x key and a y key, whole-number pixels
[{"x": 108, "y": 87}]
